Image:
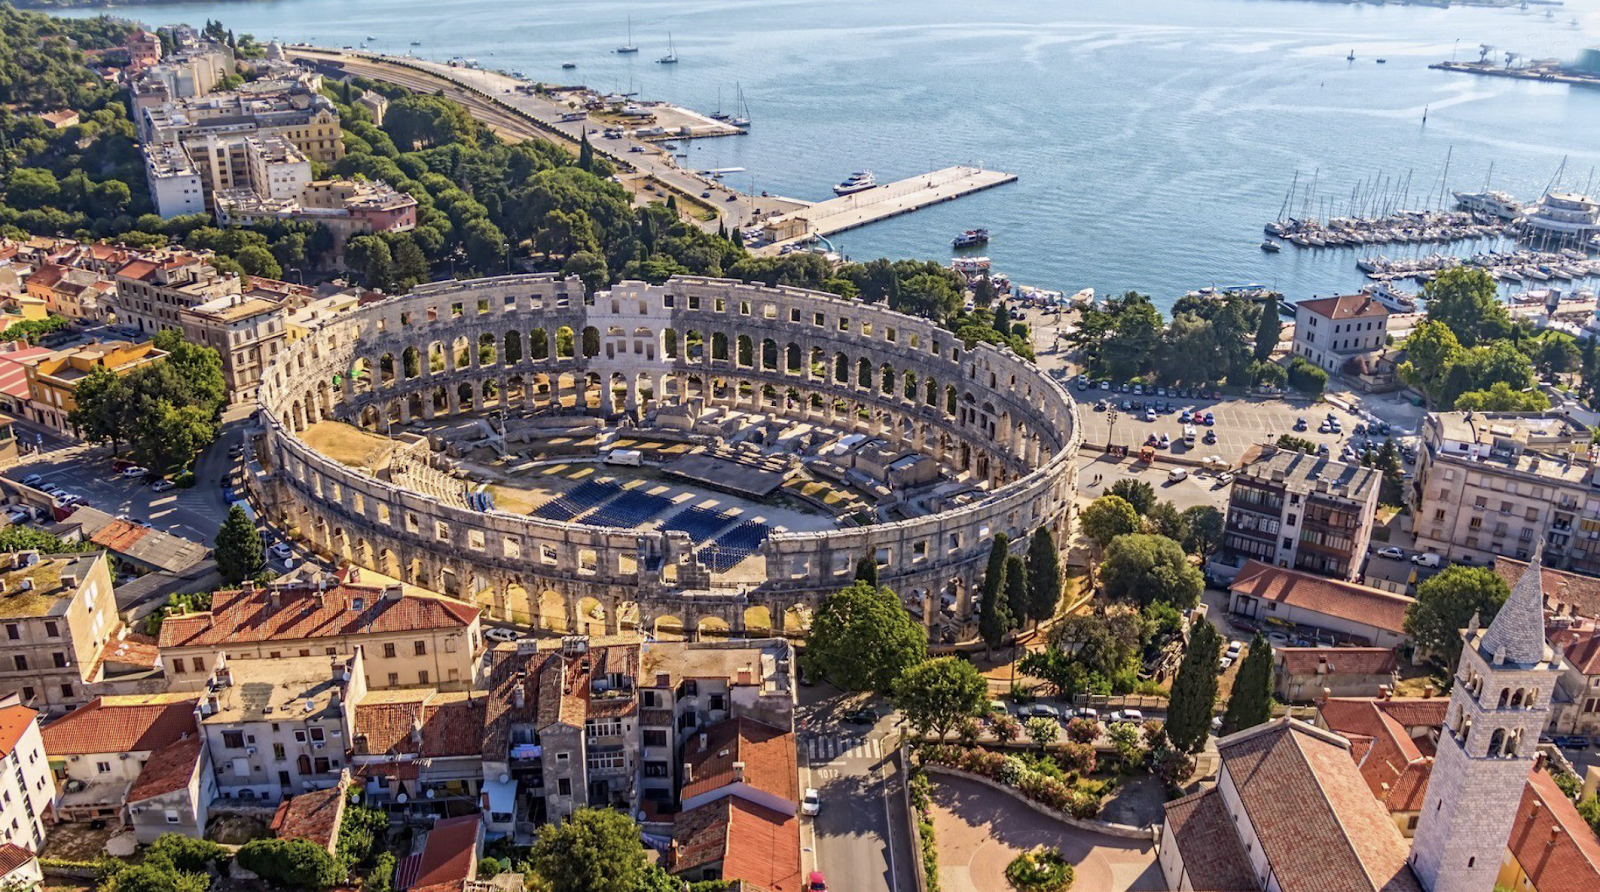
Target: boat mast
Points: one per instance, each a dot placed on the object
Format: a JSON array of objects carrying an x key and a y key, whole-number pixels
[{"x": 1284, "y": 208}]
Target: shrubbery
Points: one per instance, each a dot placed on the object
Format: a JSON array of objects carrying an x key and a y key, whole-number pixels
[
  {"x": 1013, "y": 772},
  {"x": 292, "y": 863}
]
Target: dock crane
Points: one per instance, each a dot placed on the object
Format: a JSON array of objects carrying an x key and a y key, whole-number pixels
[
  {"x": 1484, "y": 49},
  {"x": 1511, "y": 58}
]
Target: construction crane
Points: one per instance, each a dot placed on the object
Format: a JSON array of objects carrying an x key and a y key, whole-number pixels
[
  {"x": 1511, "y": 59},
  {"x": 1484, "y": 49}
]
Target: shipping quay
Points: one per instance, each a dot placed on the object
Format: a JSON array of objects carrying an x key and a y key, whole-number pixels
[
  {"x": 847, "y": 212},
  {"x": 1546, "y": 71}
]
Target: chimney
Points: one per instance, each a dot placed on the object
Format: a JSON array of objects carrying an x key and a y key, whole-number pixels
[
  {"x": 416, "y": 731},
  {"x": 69, "y": 581},
  {"x": 1322, "y": 665},
  {"x": 663, "y": 680},
  {"x": 249, "y": 585},
  {"x": 738, "y": 772},
  {"x": 688, "y": 773},
  {"x": 1427, "y": 691},
  {"x": 518, "y": 698},
  {"x": 703, "y": 743},
  {"x": 393, "y": 592},
  {"x": 744, "y": 676},
  {"x": 274, "y": 600},
  {"x": 1555, "y": 834}
]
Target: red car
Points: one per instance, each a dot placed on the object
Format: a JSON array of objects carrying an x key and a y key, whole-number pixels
[{"x": 816, "y": 883}]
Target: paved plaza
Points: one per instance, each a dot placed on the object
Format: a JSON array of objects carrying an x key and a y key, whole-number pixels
[{"x": 979, "y": 830}]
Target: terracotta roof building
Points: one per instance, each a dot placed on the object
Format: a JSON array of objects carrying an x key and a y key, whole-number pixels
[
  {"x": 1551, "y": 848},
  {"x": 26, "y": 787},
  {"x": 313, "y": 816},
  {"x": 1331, "y": 331},
  {"x": 733, "y": 839},
  {"x": 745, "y": 758},
  {"x": 410, "y": 638},
  {"x": 1392, "y": 743},
  {"x": 449, "y": 857},
  {"x": 1294, "y": 793},
  {"x": 1325, "y": 606},
  {"x": 1306, "y": 673}
]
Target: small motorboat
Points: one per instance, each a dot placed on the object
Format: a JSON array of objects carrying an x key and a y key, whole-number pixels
[
  {"x": 569, "y": 65},
  {"x": 1271, "y": 247}
]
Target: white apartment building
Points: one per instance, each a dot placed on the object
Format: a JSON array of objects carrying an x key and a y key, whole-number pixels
[
  {"x": 276, "y": 168},
  {"x": 25, "y": 785},
  {"x": 1330, "y": 331},
  {"x": 175, "y": 184}
]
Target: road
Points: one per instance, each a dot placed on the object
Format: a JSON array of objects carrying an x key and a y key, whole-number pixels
[
  {"x": 472, "y": 87},
  {"x": 860, "y": 840}
]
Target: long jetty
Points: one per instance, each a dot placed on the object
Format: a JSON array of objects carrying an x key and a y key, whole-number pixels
[
  {"x": 847, "y": 212},
  {"x": 1544, "y": 71}
]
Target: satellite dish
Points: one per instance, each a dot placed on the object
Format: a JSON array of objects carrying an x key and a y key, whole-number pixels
[
  {"x": 504, "y": 778},
  {"x": 430, "y": 794},
  {"x": 400, "y": 798}
]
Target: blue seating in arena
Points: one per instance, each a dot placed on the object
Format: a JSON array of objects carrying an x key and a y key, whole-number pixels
[
  {"x": 700, "y": 523},
  {"x": 579, "y": 499},
  {"x": 629, "y": 509},
  {"x": 734, "y": 546}
]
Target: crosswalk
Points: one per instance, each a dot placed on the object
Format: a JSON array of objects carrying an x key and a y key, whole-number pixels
[{"x": 828, "y": 747}]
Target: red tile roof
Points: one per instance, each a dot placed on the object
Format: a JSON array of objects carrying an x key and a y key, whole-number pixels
[
  {"x": 169, "y": 768},
  {"x": 121, "y": 724},
  {"x": 1209, "y": 845},
  {"x": 311, "y": 816},
  {"x": 1339, "y": 660},
  {"x": 47, "y": 275},
  {"x": 754, "y": 844},
  {"x": 1344, "y": 306},
  {"x": 1581, "y": 647},
  {"x": 119, "y": 535},
  {"x": 1319, "y": 827},
  {"x": 248, "y": 616},
  {"x": 1577, "y": 593},
  {"x": 137, "y": 269},
  {"x": 14, "y": 720},
  {"x": 767, "y": 754},
  {"x": 1318, "y": 594},
  {"x": 13, "y": 374},
  {"x": 447, "y": 854},
  {"x": 1395, "y": 765},
  {"x": 12, "y": 856},
  {"x": 451, "y": 726},
  {"x": 1551, "y": 841}
]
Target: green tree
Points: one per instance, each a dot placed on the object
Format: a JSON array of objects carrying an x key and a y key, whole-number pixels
[
  {"x": 937, "y": 694},
  {"x": 1501, "y": 398},
  {"x": 1016, "y": 591},
  {"x": 238, "y": 548},
  {"x": 585, "y": 152},
  {"x": 1042, "y": 730},
  {"x": 593, "y": 850},
  {"x": 1431, "y": 350},
  {"x": 1268, "y": 329},
  {"x": 1445, "y": 604},
  {"x": 293, "y": 863},
  {"x": 30, "y": 188},
  {"x": 1108, "y": 517},
  {"x": 1194, "y": 691},
  {"x": 1139, "y": 494},
  {"x": 1250, "y": 702},
  {"x": 1307, "y": 378},
  {"x": 862, "y": 638},
  {"x": 1044, "y": 576},
  {"x": 867, "y": 570},
  {"x": 102, "y": 413},
  {"x": 1466, "y": 300},
  {"x": 1149, "y": 569},
  {"x": 1296, "y": 444},
  {"x": 1204, "y": 524},
  {"x": 994, "y": 612}
]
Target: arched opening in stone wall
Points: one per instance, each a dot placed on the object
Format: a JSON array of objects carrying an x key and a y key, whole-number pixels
[
  {"x": 713, "y": 628},
  {"x": 553, "y": 612},
  {"x": 796, "y": 621},
  {"x": 668, "y": 628},
  {"x": 591, "y": 617},
  {"x": 757, "y": 621}
]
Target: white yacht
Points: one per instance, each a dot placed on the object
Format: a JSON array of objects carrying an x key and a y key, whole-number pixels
[
  {"x": 1396, "y": 300},
  {"x": 1561, "y": 218},
  {"x": 860, "y": 181},
  {"x": 1492, "y": 202}
]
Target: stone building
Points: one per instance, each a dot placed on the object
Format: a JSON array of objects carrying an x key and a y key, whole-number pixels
[
  {"x": 1328, "y": 610},
  {"x": 1331, "y": 331},
  {"x": 1499, "y": 705},
  {"x": 154, "y": 288},
  {"x": 25, "y": 785},
  {"x": 53, "y": 378},
  {"x": 408, "y": 638},
  {"x": 984, "y": 414},
  {"x": 1491, "y": 484},
  {"x": 57, "y": 617},
  {"x": 1307, "y": 673},
  {"x": 246, "y": 332}
]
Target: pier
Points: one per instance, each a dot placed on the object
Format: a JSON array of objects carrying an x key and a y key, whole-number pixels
[
  {"x": 847, "y": 212},
  {"x": 1547, "y": 71}
]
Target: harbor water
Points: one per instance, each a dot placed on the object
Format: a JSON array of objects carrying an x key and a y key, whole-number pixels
[{"x": 1152, "y": 138}]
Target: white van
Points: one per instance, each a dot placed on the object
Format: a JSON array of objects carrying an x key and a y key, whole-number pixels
[
  {"x": 632, "y": 458},
  {"x": 1426, "y": 559},
  {"x": 1189, "y": 434},
  {"x": 1177, "y": 475}
]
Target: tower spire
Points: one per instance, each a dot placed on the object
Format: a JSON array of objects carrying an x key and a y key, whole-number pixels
[{"x": 1517, "y": 633}]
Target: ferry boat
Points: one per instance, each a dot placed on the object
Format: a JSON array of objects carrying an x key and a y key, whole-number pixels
[
  {"x": 972, "y": 238},
  {"x": 1493, "y": 202},
  {"x": 859, "y": 181},
  {"x": 1271, "y": 247}
]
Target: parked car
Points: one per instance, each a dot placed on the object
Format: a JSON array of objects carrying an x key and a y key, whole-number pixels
[
  {"x": 134, "y": 471},
  {"x": 866, "y": 715},
  {"x": 1211, "y": 436},
  {"x": 1224, "y": 479},
  {"x": 282, "y": 551},
  {"x": 1391, "y": 551},
  {"x": 1185, "y": 416},
  {"x": 1126, "y": 715},
  {"x": 1099, "y": 405},
  {"x": 1300, "y": 424},
  {"x": 496, "y": 633},
  {"x": 31, "y": 480},
  {"x": 1149, "y": 415},
  {"x": 19, "y": 514},
  {"x": 1177, "y": 475},
  {"x": 1426, "y": 559},
  {"x": 1208, "y": 419},
  {"x": 811, "y": 803},
  {"x": 816, "y": 882},
  {"x": 161, "y": 485},
  {"x": 1572, "y": 742},
  {"x": 1033, "y": 710},
  {"x": 49, "y": 489},
  {"x": 1087, "y": 712}
]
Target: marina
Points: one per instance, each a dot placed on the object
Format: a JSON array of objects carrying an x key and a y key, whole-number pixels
[
  {"x": 1508, "y": 266},
  {"x": 860, "y": 208}
]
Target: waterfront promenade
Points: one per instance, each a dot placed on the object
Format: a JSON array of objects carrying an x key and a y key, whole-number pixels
[{"x": 847, "y": 212}]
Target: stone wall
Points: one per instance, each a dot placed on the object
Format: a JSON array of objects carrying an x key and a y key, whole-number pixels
[{"x": 541, "y": 344}]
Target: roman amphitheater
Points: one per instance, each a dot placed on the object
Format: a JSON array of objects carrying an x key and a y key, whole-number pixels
[{"x": 698, "y": 457}]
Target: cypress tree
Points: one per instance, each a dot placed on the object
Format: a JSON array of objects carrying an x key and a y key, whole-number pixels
[
  {"x": 1044, "y": 576},
  {"x": 867, "y": 570},
  {"x": 1016, "y": 592},
  {"x": 994, "y": 618},
  {"x": 1002, "y": 318},
  {"x": 238, "y": 547},
  {"x": 738, "y": 237},
  {"x": 1267, "y": 331},
  {"x": 585, "y": 152},
  {"x": 1250, "y": 703},
  {"x": 1194, "y": 691}
]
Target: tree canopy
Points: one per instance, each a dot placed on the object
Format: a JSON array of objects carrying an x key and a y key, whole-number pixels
[
  {"x": 1445, "y": 604},
  {"x": 1108, "y": 517},
  {"x": 593, "y": 850},
  {"x": 937, "y": 694},
  {"x": 1147, "y": 569},
  {"x": 1250, "y": 701},
  {"x": 862, "y": 639}
]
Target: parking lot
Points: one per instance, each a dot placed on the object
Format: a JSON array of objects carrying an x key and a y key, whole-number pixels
[{"x": 1238, "y": 423}]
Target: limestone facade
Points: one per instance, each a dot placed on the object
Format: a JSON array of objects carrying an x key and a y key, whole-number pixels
[{"x": 542, "y": 344}]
